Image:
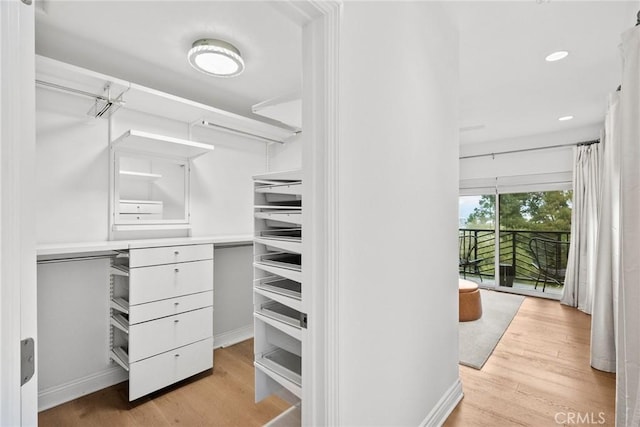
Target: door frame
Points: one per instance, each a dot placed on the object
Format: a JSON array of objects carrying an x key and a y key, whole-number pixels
[{"x": 18, "y": 314}]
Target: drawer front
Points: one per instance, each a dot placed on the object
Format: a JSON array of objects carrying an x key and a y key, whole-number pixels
[
  {"x": 169, "y": 255},
  {"x": 168, "y": 307},
  {"x": 157, "y": 336},
  {"x": 135, "y": 217},
  {"x": 147, "y": 284},
  {"x": 146, "y": 208},
  {"x": 165, "y": 369}
]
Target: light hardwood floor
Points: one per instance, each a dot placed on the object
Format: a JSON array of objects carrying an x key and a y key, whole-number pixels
[
  {"x": 538, "y": 375},
  {"x": 222, "y": 397},
  {"x": 539, "y": 369}
]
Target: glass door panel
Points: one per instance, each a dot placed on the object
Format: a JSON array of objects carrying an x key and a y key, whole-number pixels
[{"x": 476, "y": 238}]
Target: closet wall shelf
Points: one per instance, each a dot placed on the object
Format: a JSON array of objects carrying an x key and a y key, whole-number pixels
[
  {"x": 151, "y": 101},
  {"x": 150, "y": 143},
  {"x": 140, "y": 175}
]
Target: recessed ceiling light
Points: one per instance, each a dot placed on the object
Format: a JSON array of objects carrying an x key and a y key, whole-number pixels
[
  {"x": 565, "y": 118},
  {"x": 557, "y": 56},
  {"x": 216, "y": 58}
]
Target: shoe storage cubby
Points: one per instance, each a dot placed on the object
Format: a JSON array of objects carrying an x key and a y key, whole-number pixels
[{"x": 279, "y": 318}]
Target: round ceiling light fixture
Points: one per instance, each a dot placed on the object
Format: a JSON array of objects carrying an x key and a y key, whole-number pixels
[
  {"x": 557, "y": 56},
  {"x": 216, "y": 58},
  {"x": 565, "y": 118}
]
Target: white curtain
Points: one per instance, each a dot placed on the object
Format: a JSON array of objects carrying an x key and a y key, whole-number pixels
[
  {"x": 605, "y": 297},
  {"x": 628, "y": 358},
  {"x": 581, "y": 266}
]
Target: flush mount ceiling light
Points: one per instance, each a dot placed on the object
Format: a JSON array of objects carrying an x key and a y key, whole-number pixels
[
  {"x": 556, "y": 56},
  {"x": 216, "y": 58},
  {"x": 565, "y": 118}
]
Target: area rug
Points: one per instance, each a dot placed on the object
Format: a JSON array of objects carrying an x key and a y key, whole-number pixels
[{"x": 477, "y": 339}]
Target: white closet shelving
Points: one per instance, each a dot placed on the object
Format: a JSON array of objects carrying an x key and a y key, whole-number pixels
[
  {"x": 150, "y": 143},
  {"x": 279, "y": 320},
  {"x": 162, "y": 314}
]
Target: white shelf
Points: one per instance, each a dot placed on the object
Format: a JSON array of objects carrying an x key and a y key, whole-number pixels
[
  {"x": 281, "y": 218},
  {"x": 120, "y": 304},
  {"x": 140, "y": 175},
  {"x": 120, "y": 270},
  {"x": 286, "y": 365},
  {"x": 289, "y": 175},
  {"x": 151, "y": 143},
  {"x": 154, "y": 102},
  {"x": 120, "y": 356},
  {"x": 120, "y": 322},
  {"x": 284, "y": 243}
]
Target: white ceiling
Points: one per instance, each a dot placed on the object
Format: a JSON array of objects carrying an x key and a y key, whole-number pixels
[
  {"x": 505, "y": 85},
  {"x": 146, "y": 42}
]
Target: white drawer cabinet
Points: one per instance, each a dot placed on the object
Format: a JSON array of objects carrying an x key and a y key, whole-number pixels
[
  {"x": 150, "y": 338},
  {"x": 162, "y": 314},
  {"x": 167, "y": 368},
  {"x": 169, "y": 254},
  {"x": 165, "y": 281}
]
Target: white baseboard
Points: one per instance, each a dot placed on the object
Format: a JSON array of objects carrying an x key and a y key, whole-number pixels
[
  {"x": 54, "y": 396},
  {"x": 445, "y": 406},
  {"x": 226, "y": 339}
]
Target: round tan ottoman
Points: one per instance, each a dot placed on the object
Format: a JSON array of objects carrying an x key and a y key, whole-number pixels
[{"x": 469, "y": 301}]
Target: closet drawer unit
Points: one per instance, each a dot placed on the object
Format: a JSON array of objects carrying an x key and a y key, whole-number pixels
[
  {"x": 168, "y": 307},
  {"x": 157, "y": 336},
  {"x": 135, "y": 217},
  {"x": 147, "y": 284},
  {"x": 140, "y": 207},
  {"x": 167, "y": 368},
  {"x": 169, "y": 255}
]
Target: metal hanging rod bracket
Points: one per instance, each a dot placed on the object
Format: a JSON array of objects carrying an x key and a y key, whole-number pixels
[{"x": 103, "y": 103}]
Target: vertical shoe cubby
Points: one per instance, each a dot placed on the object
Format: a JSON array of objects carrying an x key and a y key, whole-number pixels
[{"x": 279, "y": 318}]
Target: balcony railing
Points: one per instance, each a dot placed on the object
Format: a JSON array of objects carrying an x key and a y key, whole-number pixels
[{"x": 516, "y": 260}]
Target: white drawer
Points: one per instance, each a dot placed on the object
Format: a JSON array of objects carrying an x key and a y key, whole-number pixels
[
  {"x": 165, "y": 369},
  {"x": 135, "y": 217},
  {"x": 157, "y": 336},
  {"x": 160, "y": 282},
  {"x": 141, "y": 207},
  {"x": 168, "y": 307},
  {"x": 169, "y": 255}
]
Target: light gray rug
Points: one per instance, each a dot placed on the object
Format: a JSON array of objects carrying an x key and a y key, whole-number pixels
[{"x": 478, "y": 338}]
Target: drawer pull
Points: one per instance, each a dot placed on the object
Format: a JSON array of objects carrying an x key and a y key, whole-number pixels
[
  {"x": 177, "y": 270},
  {"x": 176, "y": 253},
  {"x": 176, "y": 303},
  {"x": 176, "y": 321},
  {"x": 177, "y": 355}
]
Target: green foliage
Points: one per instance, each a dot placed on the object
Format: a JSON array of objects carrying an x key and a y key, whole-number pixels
[{"x": 537, "y": 211}]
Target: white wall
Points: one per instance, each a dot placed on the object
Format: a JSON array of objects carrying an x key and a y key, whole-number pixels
[
  {"x": 286, "y": 156},
  {"x": 539, "y": 162},
  {"x": 398, "y": 180},
  {"x": 72, "y": 174}
]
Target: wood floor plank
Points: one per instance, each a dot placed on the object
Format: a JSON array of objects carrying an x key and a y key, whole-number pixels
[
  {"x": 221, "y": 397},
  {"x": 539, "y": 369},
  {"x": 538, "y": 373}
]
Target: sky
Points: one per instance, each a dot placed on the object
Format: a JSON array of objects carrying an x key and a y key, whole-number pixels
[{"x": 466, "y": 204}]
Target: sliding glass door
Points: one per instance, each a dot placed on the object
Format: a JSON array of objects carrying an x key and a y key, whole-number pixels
[{"x": 523, "y": 248}]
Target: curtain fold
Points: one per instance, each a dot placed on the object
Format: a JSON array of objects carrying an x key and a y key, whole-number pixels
[
  {"x": 628, "y": 336},
  {"x": 605, "y": 297},
  {"x": 581, "y": 268}
]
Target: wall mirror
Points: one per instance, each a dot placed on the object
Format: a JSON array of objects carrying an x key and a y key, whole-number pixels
[{"x": 150, "y": 190}]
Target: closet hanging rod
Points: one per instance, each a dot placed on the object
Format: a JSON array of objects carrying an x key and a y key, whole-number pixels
[
  {"x": 241, "y": 132},
  {"x": 523, "y": 150},
  {"x": 70, "y": 259},
  {"x": 73, "y": 90}
]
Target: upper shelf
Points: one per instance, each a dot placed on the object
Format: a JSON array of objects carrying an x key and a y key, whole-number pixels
[
  {"x": 151, "y": 101},
  {"x": 159, "y": 144}
]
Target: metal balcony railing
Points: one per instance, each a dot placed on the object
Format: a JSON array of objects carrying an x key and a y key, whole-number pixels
[{"x": 516, "y": 259}]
